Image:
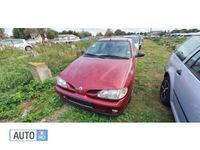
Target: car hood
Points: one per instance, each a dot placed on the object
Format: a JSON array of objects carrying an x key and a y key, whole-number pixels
[{"x": 97, "y": 73}]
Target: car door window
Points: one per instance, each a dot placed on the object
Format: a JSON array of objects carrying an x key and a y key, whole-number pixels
[
  {"x": 6, "y": 43},
  {"x": 194, "y": 64},
  {"x": 187, "y": 48},
  {"x": 17, "y": 41}
]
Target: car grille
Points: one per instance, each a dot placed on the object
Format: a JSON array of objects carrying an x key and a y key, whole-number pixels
[{"x": 79, "y": 101}]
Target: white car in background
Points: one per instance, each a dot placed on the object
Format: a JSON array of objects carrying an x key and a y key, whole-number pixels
[
  {"x": 66, "y": 39},
  {"x": 59, "y": 40},
  {"x": 73, "y": 39},
  {"x": 136, "y": 39},
  {"x": 33, "y": 41},
  {"x": 18, "y": 43}
]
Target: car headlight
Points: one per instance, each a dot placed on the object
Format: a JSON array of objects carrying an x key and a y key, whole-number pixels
[
  {"x": 113, "y": 94},
  {"x": 62, "y": 82}
]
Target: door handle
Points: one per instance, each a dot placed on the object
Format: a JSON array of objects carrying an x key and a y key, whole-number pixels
[{"x": 179, "y": 72}]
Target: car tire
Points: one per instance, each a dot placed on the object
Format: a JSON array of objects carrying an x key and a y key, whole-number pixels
[
  {"x": 165, "y": 91},
  {"x": 28, "y": 48}
]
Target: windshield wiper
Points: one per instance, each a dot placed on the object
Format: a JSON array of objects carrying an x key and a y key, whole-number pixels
[
  {"x": 90, "y": 54},
  {"x": 113, "y": 56},
  {"x": 104, "y": 56}
]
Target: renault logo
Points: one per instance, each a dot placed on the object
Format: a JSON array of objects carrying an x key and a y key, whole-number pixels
[{"x": 80, "y": 88}]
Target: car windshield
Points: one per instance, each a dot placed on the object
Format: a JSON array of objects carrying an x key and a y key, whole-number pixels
[{"x": 110, "y": 49}]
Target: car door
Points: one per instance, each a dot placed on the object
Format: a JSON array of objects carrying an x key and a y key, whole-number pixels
[{"x": 187, "y": 88}]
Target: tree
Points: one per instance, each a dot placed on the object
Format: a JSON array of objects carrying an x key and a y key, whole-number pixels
[
  {"x": 145, "y": 34},
  {"x": 141, "y": 33},
  {"x": 108, "y": 33},
  {"x": 99, "y": 34},
  {"x": 184, "y": 30},
  {"x": 25, "y": 33},
  {"x": 70, "y": 32},
  {"x": 20, "y": 33},
  {"x": 51, "y": 34},
  {"x": 130, "y": 33},
  {"x": 79, "y": 34},
  {"x": 193, "y": 30},
  {"x": 84, "y": 34},
  {"x": 120, "y": 32},
  {"x": 2, "y": 33},
  {"x": 162, "y": 33},
  {"x": 67, "y": 32}
]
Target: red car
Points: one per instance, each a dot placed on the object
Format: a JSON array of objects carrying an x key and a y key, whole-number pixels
[{"x": 102, "y": 78}]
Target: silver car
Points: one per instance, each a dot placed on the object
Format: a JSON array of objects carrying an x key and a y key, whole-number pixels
[
  {"x": 18, "y": 43},
  {"x": 181, "y": 85}
]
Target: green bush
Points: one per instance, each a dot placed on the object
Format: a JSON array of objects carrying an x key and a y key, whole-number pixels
[
  {"x": 17, "y": 84},
  {"x": 10, "y": 100},
  {"x": 13, "y": 74}
]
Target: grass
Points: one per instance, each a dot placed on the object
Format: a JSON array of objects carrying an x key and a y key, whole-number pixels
[
  {"x": 23, "y": 99},
  {"x": 17, "y": 85},
  {"x": 169, "y": 44}
]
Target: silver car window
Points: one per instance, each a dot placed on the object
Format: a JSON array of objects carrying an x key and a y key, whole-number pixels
[
  {"x": 6, "y": 43},
  {"x": 17, "y": 41},
  {"x": 187, "y": 48},
  {"x": 194, "y": 64}
]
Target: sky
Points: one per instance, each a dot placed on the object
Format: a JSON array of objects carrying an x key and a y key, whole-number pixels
[{"x": 94, "y": 31}]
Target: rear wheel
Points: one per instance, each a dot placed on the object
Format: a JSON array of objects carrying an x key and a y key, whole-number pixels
[
  {"x": 165, "y": 91},
  {"x": 28, "y": 48}
]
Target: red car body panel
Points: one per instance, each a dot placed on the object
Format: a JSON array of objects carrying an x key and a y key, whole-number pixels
[{"x": 93, "y": 74}]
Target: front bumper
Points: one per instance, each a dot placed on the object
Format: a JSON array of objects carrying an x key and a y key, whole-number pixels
[{"x": 107, "y": 107}]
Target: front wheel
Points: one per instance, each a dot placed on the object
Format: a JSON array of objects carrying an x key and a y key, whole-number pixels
[{"x": 165, "y": 91}]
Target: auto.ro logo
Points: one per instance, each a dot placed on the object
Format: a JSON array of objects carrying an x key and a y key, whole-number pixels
[{"x": 28, "y": 135}]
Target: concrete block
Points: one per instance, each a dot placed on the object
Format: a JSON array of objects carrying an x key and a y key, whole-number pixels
[{"x": 40, "y": 71}]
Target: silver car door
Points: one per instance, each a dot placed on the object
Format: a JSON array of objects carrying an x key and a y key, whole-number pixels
[{"x": 187, "y": 88}]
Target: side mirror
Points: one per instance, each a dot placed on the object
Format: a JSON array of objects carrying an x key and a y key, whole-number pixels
[
  {"x": 140, "y": 54},
  {"x": 140, "y": 47}
]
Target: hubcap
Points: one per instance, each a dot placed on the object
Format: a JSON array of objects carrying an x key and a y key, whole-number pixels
[
  {"x": 165, "y": 89},
  {"x": 28, "y": 49}
]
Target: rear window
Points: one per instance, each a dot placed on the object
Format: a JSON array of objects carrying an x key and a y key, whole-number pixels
[{"x": 187, "y": 48}]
